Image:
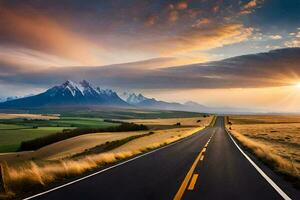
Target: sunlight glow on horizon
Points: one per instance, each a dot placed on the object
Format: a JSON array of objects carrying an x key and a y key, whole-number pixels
[
  {"x": 235, "y": 54},
  {"x": 268, "y": 99},
  {"x": 297, "y": 85}
]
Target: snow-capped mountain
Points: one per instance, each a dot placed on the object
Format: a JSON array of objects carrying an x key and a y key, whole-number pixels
[
  {"x": 84, "y": 94},
  {"x": 139, "y": 100},
  {"x": 69, "y": 93},
  {"x": 3, "y": 99},
  {"x": 133, "y": 98}
]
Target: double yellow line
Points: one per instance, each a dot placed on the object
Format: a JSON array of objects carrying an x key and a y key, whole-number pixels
[{"x": 187, "y": 178}]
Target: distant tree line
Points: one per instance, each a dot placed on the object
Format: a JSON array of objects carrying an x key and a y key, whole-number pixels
[{"x": 113, "y": 121}]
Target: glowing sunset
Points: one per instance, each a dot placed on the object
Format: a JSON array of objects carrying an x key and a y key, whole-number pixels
[
  {"x": 138, "y": 41},
  {"x": 149, "y": 99}
]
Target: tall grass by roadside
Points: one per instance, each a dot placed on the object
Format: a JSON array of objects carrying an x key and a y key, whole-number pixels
[
  {"x": 265, "y": 154},
  {"x": 213, "y": 121},
  {"x": 66, "y": 134},
  {"x": 32, "y": 176},
  {"x": 109, "y": 145}
]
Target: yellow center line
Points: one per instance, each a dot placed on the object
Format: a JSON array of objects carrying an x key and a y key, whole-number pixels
[
  {"x": 188, "y": 176},
  {"x": 193, "y": 182}
]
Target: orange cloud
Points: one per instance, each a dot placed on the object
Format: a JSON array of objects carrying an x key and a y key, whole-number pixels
[
  {"x": 182, "y": 5},
  {"x": 35, "y": 60},
  {"x": 204, "y": 39},
  {"x": 250, "y": 4},
  {"x": 38, "y": 32},
  {"x": 175, "y": 10},
  {"x": 201, "y": 22},
  {"x": 179, "y": 28},
  {"x": 248, "y": 7}
]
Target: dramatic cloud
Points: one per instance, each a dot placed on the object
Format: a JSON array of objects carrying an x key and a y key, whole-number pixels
[
  {"x": 203, "y": 39},
  {"x": 248, "y": 7},
  {"x": 29, "y": 29},
  {"x": 148, "y": 45},
  {"x": 115, "y": 32},
  {"x": 31, "y": 59},
  {"x": 275, "y": 68}
]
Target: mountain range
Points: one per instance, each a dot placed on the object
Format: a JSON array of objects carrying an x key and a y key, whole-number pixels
[
  {"x": 72, "y": 94},
  {"x": 68, "y": 94},
  {"x": 83, "y": 93},
  {"x": 141, "y": 101}
]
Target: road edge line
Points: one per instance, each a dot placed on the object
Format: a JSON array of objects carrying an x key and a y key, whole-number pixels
[
  {"x": 111, "y": 167},
  {"x": 260, "y": 171}
]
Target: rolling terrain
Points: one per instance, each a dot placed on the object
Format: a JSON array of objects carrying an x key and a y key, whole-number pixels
[
  {"x": 207, "y": 165},
  {"x": 74, "y": 156},
  {"x": 15, "y": 129}
]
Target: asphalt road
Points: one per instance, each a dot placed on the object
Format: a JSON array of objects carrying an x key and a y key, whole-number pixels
[{"x": 206, "y": 165}]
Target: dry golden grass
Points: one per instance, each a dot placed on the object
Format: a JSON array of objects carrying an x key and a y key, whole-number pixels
[
  {"x": 264, "y": 119},
  {"x": 67, "y": 147},
  {"x": 27, "y": 116},
  {"x": 274, "y": 139},
  {"x": 156, "y": 140},
  {"x": 193, "y": 121},
  {"x": 78, "y": 144},
  {"x": 33, "y": 174},
  {"x": 53, "y": 162}
]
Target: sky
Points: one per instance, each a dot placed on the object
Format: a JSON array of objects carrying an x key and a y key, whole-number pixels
[{"x": 236, "y": 53}]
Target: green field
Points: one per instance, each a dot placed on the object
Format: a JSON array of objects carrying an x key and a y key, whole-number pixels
[
  {"x": 14, "y": 131},
  {"x": 11, "y": 139},
  {"x": 82, "y": 122},
  {"x": 62, "y": 122}
]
